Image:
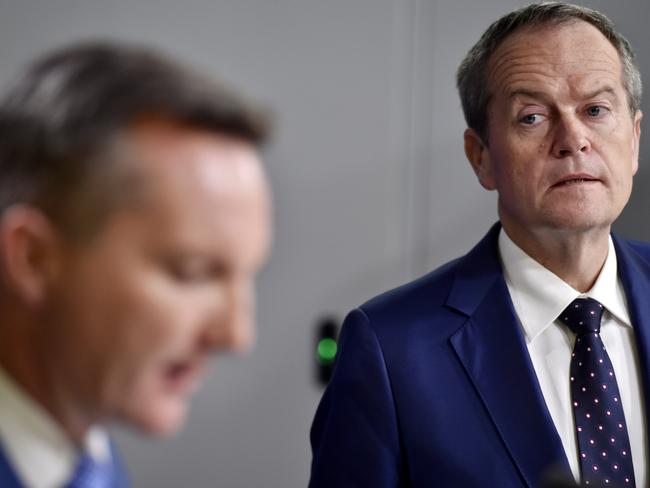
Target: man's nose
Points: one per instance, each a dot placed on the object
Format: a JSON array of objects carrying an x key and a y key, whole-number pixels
[
  {"x": 233, "y": 326},
  {"x": 571, "y": 137}
]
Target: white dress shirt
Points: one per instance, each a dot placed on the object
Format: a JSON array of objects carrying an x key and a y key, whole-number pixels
[
  {"x": 39, "y": 451},
  {"x": 539, "y": 296}
]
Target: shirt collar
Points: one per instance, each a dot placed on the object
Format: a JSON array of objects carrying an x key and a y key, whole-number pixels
[
  {"x": 37, "y": 447},
  {"x": 539, "y": 296}
]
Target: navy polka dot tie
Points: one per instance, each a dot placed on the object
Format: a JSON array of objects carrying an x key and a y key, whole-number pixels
[{"x": 603, "y": 444}]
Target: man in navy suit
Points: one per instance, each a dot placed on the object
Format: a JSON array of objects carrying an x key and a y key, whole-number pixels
[
  {"x": 462, "y": 378},
  {"x": 134, "y": 214}
]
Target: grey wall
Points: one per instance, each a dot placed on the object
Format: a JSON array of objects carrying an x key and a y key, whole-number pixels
[{"x": 371, "y": 185}]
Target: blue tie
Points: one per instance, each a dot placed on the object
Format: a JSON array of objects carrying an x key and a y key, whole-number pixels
[
  {"x": 91, "y": 474},
  {"x": 603, "y": 443}
]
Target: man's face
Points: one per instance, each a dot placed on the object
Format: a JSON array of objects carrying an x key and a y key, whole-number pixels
[
  {"x": 167, "y": 280},
  {"x": 562, "y": 147}
]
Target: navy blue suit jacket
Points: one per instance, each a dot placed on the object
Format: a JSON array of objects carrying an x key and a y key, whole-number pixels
[
  {"x": 9, "y": 478},
  {"x": 434, "y": 387}
]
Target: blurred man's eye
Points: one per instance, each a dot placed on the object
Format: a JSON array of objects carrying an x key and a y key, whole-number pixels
[{"x": 195, "y": 271}]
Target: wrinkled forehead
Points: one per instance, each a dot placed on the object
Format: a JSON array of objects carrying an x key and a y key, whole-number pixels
[{"x": 552, "y": 53}]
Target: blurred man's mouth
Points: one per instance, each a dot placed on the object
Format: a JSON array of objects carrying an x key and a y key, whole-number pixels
[{"x": 183, "y": 376}]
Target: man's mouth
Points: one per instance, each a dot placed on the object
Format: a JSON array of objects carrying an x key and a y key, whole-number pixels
[
  {"x": 576, "y": 180},
  {"x": 183, "y": 376}
]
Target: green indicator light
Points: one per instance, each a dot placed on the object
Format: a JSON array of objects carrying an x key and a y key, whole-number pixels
[{"x": 326, "y": 350}]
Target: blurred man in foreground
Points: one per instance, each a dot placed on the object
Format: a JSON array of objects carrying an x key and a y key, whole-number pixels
[
  {"x": 134, "y": 214},
  {"x": 530, "y": 354}
]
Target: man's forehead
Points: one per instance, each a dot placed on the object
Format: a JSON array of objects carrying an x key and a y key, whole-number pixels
[
  {"x": 158, "y": 147},
  {"x": 550, "y": 54}
]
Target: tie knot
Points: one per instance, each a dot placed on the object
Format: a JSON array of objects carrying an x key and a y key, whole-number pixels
[{"x": 583, "y": 315}]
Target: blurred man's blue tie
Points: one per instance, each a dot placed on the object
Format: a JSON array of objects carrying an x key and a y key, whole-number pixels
[{"x": 91, "y": 474}]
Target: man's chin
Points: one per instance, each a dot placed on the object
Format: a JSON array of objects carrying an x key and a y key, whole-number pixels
[
  {"x": 163, "y": 419},
  {"x": 572, "y": 219},
  {"x": 579, "y": 226}
]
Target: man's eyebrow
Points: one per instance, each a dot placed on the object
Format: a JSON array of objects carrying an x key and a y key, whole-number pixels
[
  {"x": 527, "y": 93},
  {"x": 599, "y": 91},
  {"x": 543, "y": 96}
]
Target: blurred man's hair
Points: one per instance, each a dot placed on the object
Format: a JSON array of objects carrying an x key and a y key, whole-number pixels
[
  {"x": 472, "y": 77},
  {"x": 59, "y": 119}
]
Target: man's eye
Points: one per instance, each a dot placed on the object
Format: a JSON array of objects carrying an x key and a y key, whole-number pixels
[
  {"x": 189, "y": 271},
  {"x": 594, "y": 110},
  {"x": 531, "y": 119},
  {"x": 188, "y": 274},
  {"x": 195, "y": 272}
]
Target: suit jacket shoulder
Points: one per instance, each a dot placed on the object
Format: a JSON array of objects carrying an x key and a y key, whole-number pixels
[
  {"x": 642, "y": 249},
  {"x": 400, "y": 307},
  {"x": 422, "y": 392},
  {"x": 438, "y": 303}
]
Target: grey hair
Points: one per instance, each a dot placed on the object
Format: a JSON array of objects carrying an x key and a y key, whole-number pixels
[{"x": 472, "y": 75}]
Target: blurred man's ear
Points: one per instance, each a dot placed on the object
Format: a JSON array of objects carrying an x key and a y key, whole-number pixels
[
  {"x": 479, "y": 157},
  {"x": 28, "y": 252}
]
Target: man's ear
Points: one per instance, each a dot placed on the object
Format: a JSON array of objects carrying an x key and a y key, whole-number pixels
[
  {"x": 637, "y": 137},
  {"x": 29, "y": 245},
  {"x": 479, "y": 157}
]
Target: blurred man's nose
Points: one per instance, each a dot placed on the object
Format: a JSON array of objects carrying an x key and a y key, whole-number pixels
[{"x": 233, "y": 326}]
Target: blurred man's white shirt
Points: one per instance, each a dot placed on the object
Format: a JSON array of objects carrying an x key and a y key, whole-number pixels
[{"x": 39, "y": 451}]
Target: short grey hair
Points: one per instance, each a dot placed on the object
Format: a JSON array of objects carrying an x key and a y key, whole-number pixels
[{"x": 472, "y": 76}]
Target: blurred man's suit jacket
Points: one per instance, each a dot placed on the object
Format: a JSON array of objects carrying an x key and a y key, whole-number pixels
[
  {"x": 434, "y": 385},
  {"x": 8, "y": 478}
]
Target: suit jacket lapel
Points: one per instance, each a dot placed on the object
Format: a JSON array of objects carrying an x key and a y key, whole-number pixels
[
  {"x": 634, "y": 272},
  {"x": 493, "y": 352}
]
